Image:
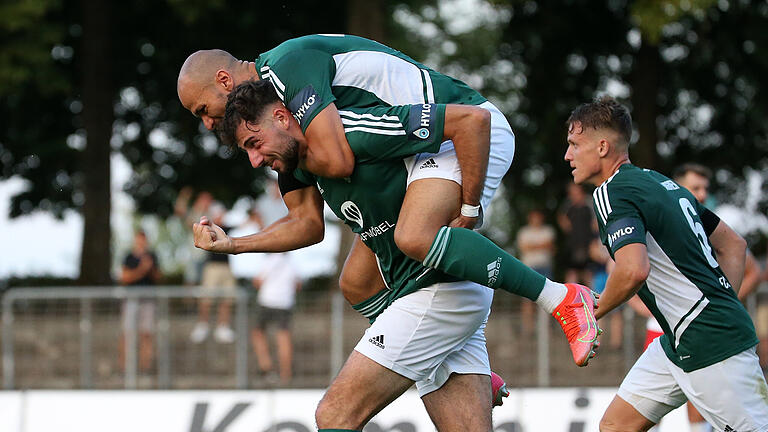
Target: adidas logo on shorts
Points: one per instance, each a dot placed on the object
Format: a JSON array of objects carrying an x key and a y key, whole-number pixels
[
  {"x": 378, "y": 341},
  {"x": 429, "y": 163},
  {"x": 729, "y": 429}
]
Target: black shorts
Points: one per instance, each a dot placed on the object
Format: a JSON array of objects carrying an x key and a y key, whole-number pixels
[{"x": 279, "y": 317}]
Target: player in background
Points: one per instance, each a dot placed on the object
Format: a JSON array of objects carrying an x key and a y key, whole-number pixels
[
  {"x": 316, "y": 76},
  {"x": 659, "y": 236},
  {"x": 696, "y": 177}
]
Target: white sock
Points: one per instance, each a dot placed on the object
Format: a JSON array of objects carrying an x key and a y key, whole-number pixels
[{"x": 551, "y": 296}]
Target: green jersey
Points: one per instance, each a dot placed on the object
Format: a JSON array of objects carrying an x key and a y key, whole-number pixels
[
  {"x": 686, "y": 290},
  {"x": 311, "y": 72},
  {"x": 369, "y": 200}
]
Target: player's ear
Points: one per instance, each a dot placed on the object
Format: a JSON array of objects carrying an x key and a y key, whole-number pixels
[
  {"x": 603, "y": 147},
  {"x": 223, "y": 78},
  {"x": 281, "y": 115}
]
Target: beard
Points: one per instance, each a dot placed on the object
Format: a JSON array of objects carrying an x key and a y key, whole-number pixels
[{"x": 290, "y": 156}]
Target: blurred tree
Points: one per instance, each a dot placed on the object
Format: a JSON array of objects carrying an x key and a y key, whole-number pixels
[{"x": 693, "y": 73}]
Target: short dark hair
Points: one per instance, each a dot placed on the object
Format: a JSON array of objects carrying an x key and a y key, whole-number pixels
[
  {"x": 247, "y": 101},
  {"x": 693, "y": 167},
  {"x": 604, "y": 112}
]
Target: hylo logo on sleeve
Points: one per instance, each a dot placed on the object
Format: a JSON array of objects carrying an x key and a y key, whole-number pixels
[{"x": 304, "y": 103}]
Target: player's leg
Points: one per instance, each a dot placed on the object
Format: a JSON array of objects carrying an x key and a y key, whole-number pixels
[
  {"x": 620, "y": 416},
  {"x": 648, "y": 393},
  {"x": 472, "y": 414},
  {"x": 360, "y": 278},
  {"x": 698, "y": 424},
  {"x": 406, "y": 343},
  {"x": 360, "y": 391},
  {"x": 432, "y": 200},
  {"x": 429, "y": 204},
  {"x": 462, "y": 376}
]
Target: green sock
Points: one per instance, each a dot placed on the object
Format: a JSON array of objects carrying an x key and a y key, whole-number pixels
[{"x": 467, "y": 255}]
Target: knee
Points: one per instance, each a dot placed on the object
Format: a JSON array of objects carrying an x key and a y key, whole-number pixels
[
  {"x": 413, "y": 242},
  {"x": 321, "y": 415},
  {"x": 329, "y": 416}
]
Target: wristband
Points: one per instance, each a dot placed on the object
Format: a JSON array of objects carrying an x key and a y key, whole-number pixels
[{"x": 470, "y": 210}]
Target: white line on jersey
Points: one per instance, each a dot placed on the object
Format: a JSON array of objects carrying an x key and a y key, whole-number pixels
[
  {"x": 375, "y": 131},
  {"x": 348, "y": 122},
  {"x": 355, "y": 115}
]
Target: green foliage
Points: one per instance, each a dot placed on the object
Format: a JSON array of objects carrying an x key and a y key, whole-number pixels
[
  {"x": 26, "y": 55},
  {"x": 651, "y": 16}
]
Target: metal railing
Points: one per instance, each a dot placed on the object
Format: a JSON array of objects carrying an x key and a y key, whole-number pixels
[
  {"x": 66, "y": 337},
  {"x": 46, "y": 317}
]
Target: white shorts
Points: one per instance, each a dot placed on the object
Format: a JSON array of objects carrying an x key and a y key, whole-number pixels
[
  {"x": 444, "y": 164},
  {"x": 731, "y": 393},
  {"x": 429, "y": 334}
]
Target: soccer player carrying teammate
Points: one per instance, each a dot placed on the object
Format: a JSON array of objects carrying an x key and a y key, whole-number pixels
[
  {"x": 316, "y": 76},
  {"x": 662, "y": 240},
  {"x": 428, "y": 326}
]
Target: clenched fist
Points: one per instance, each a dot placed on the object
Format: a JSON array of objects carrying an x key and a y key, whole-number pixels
[{"x": 210, "y": 237}]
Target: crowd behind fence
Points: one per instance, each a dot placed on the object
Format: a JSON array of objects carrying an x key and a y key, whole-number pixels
[{"x": 64, "y": 337}]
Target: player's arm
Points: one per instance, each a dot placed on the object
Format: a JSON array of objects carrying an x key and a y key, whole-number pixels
[
  {"x": 730, "y": 249},
  {"x": 751, "y": 277},
  {"x": 303, "y": 226},
  {"x": 630, "y": 271},
  {"x": 469, "y": 127},
  {"x": 328, "y": 152},
  {"x": 639, "y": 307}
]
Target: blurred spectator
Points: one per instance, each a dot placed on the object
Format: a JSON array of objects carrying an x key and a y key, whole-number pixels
[
  {"x": 277, "y": 284},
  {"x": 140, "y": 268},
  {"x": 189, "y": 216},
  {"x": 536, "y": 242},
  {"x": 217, "y": 278},
  {"x": 575, "y": 219},
  {"x": 247, "y": 265}
]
